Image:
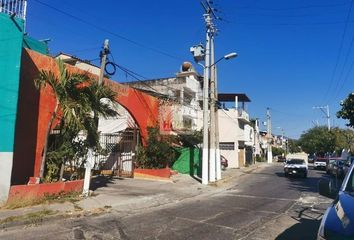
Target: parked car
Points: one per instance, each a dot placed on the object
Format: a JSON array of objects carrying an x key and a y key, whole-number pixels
[
  {"x": 330, "y": 165},
  {"x": 336, "y": 167},
  {"x": 320, "y": 163},
  {"x": 295, "y": 167},
  {"x": 224, "y": 162},
  {"x": 338, "y": 220},
  {"x": 347, "y": 166},
  {"x": 281, "y": 159}
]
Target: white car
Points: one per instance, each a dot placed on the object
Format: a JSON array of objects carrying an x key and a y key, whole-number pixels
[{"x": 295, "y": 167}]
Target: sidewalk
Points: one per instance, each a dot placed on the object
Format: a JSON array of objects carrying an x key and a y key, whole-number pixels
[{"x": 128, "y": 196}]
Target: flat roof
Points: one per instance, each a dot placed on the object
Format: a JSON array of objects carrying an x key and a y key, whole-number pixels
[{"x": 230, "y": 97}]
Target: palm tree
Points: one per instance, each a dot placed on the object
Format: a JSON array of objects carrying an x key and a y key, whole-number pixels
[{"x": 77, "y": 97}]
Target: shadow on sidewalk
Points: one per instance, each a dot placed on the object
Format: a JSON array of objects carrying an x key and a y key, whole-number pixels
[
  {"x": 305, "y": 229},
  {"x": 101, "y": 181}
]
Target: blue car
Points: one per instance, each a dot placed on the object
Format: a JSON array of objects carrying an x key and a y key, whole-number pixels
[{"x": 338, "y": 220}]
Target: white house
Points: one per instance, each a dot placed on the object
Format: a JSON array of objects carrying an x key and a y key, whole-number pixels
[{"x": 236, "y": 133}]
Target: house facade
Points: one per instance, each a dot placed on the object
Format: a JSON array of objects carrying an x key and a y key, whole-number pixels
[
  {"x": 181, "y": 95},
  {"x": 236, "y": 133}
]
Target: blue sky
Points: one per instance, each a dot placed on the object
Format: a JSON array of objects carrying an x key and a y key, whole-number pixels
[{"x": 292, "y": 54}]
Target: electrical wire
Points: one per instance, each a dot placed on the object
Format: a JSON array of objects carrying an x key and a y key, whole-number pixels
[
  {"x": 339, "y": 86},
  {"x": 108, "y": 31},
  {"x": 294, "y": 8},
  {"x": 339, "y": 51}
]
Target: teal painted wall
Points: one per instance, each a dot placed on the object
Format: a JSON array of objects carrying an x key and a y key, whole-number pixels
[
  {"x": 35, "y": 45},
  {"x": 11, "y": 40}
]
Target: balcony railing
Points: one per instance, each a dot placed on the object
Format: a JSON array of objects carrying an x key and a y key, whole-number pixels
[
  {"x": 14, "y": 8},
  {"x": 243, "y": 115}
]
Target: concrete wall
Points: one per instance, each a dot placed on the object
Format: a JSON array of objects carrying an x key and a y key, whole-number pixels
[
  {"x": 228, "y": 132},
  {"x": 11, "y": 37}
]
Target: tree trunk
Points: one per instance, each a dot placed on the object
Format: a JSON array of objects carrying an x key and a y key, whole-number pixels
[{"x": 45, "y": 147}]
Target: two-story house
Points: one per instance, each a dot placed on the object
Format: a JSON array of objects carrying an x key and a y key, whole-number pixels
[{"x": 236, "y": 133}]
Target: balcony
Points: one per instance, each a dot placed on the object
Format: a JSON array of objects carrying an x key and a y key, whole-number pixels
[
  {"x": 14, "y": 8},
  {"x": 242, "y": 115}
]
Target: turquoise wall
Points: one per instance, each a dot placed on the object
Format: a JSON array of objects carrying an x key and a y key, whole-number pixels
[
  {"x": 11, "y": 40},
  {"x": 35, "y": 45}
]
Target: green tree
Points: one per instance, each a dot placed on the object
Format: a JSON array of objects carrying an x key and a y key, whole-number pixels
[
  {"x": 347, "y": 110},
  {"x": 293, "y": 146},
  {"x": 317, "y": 140},
  {"x": 77, "y": 98},
  {"x": 277, "y": 151}
]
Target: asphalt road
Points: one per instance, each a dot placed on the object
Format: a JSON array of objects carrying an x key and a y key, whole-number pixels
[{"x": 259, "y": 205}]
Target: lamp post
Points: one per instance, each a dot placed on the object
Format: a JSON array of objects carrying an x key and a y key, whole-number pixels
[
  {"x": 210, "y": 161},
  {"x": 215, "y": 168}
]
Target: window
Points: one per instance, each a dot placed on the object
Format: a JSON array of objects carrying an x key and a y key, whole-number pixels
[{"x": 227, "y": 146}]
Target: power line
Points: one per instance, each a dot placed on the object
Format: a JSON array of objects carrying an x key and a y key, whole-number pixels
[
  {"x": 339, "y": 50},
  {"x": 345, "y": 79},
  {"x": 294, "y": 8},
  {"x": 108, "y": 31},
  {"x": 293, "y": 24},
  {"x": 338, "y": 87}
]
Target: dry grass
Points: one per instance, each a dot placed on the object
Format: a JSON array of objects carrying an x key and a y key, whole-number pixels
[
  {"x": 47, "y": 199},
  {"x": 32, "y": 218}
]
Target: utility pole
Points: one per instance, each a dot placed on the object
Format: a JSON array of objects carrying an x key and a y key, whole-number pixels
[
  {"x": 218, "y": 160},
  {"x": 90, "y": 155},
  {"x": 205, "y": 153},
  {"x": 269, "y": 132},
  {"x": 213, "y": 113},
  {"x": 209, "y": 152},
  {"x": 326, "y": 113},
  {"x": 103, "y": 56}
]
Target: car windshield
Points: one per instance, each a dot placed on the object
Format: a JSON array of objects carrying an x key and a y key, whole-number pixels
[
  {"x": 295, "y": 161},
  {"x": 340, "y": 163}
]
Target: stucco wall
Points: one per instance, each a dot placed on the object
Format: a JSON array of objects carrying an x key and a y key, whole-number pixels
[
  {"x": 229, "y": 132},
  {"x": 10, "y": 61}
]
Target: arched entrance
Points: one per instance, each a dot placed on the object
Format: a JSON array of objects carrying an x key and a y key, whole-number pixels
[{"x": 142, "y": 107}]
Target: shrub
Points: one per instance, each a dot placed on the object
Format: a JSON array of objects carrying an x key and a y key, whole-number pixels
[{"x": 158, "y": 153}]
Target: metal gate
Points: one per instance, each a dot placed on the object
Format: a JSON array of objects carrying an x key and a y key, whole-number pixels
[{"x": 118, "y": 153}]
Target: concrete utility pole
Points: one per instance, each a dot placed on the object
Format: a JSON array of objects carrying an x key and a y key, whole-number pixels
[
  {"x": 269, "y": 132},
  {"x": 218, "y": 158},
  {"x": 90, "y": 155},
  {"x": 213, "y": 114},
  {"x": 205, "y": 153},
  {"x": 211, "y": 169},
  {"x": 326, "y": 113}
]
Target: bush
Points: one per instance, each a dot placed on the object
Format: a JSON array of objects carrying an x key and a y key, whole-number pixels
[
  {"x": 259, "y": 158},
  {"x": 158, "y": 153}
]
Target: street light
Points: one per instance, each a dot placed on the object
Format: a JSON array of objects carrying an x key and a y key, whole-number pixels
[
  {"x": 226, "y": 57},
  {"x": 214, "y": 151}
]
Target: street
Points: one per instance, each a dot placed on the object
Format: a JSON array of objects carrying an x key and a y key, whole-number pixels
[{"x": 260, "y": 205}]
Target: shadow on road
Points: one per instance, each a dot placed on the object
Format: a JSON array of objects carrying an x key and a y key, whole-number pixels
[
  {"x": 309, "y": 184},
  {"x": 304, "y": 229}
]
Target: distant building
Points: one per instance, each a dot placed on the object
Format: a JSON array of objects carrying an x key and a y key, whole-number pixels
[
  {"x": 79, "y": 63},
  {"x": 181, "y": 95}
]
